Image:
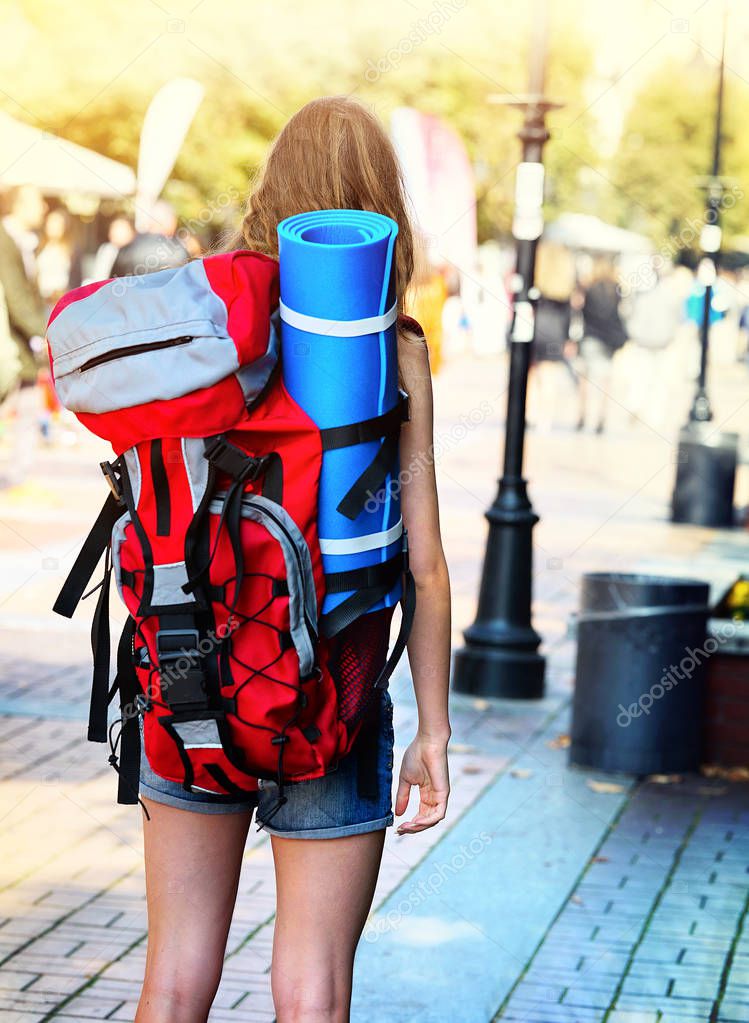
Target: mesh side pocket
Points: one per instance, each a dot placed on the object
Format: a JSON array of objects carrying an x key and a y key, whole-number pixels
[{"x": 356, "y": 657}]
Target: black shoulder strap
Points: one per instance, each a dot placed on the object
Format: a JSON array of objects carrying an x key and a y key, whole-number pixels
[
  {"x": 127, "y": 683},
  {"x": 100, "y": 649},
  {"x": 88, "y": 558}
]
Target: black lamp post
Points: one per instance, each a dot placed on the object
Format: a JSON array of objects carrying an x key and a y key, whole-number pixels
[
  {"x": 707, "y": 458},
  {"x": 710, "y": 241},
  {"x": 500, "y": 656}
]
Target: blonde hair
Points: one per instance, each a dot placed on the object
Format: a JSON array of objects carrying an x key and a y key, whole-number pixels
[{"x": 332, "y": 154}]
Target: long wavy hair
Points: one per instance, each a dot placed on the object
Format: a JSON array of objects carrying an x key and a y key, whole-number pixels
[{"x": 333, "y": 154}]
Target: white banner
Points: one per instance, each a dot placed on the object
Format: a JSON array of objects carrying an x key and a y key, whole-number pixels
[
  {"x": 440, "y": 183},
  {"x": 167, "y": 121}
]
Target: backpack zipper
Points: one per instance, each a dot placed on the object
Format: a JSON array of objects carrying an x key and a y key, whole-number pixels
[{"x": 119, "y": 353}]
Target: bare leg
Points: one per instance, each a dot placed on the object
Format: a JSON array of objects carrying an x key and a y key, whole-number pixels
[
  {"x": 324, "y": 892},
  {"x": 548, "y": 381},
  {"x": 582, "y": 396},
  {"x": 193, "y": 862},
  {"x": 602, "y": 393}
]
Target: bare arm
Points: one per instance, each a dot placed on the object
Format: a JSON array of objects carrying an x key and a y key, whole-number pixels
[{"x": 425, "y": 761}]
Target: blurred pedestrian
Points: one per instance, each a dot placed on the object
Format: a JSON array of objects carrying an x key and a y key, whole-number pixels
[
  {"x": 147, "y": 253},
  {"x": 653, "y": 323},
  {"x": 54, "y": 260},
  {"x": 26, "y": 311},
  {"x": 603, "y": 336},
  {"x": 27, "y": 319},
  {"x": 550, "y": 369},
  {"x": 695, "y": 304},
  {"x": 191, "y": 242},
  {"x": 725, "y": 335},
  {"x": 156, "y": 248},
  {"x": 10, "y": 362},
  {"x": 742, "y": 348},
  {"x": 23, "y": 222},
  {"x": 456, "y": 327},
  {"x": 119, "y": 234},
  {"x": 160, "y": 219}
]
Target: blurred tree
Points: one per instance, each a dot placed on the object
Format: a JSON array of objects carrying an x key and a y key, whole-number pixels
[
  {"x": 666, "y": 147},
  {"x": 89, "y": 77}
]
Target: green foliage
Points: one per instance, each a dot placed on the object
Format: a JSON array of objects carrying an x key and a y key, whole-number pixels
[
  {"x": 87, "y": 71},
  {"x": 666, "y": 147}
]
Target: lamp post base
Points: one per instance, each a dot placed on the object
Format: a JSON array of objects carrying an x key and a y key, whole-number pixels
[
  {"x": 500, "y": 655},
  {"x": 705, "y": 477},
  {"x": 701, "y": 411},
  {"x": 491, "y": 671}
]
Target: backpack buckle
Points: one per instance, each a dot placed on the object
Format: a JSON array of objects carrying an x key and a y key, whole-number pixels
[
  {"x": 111, "y": 472},
  {"x": 233, "y": 461},
  {"x": 142, "y": 703},
  {"x": 182, "y": 684},
  {"x": 171, "y": 644}
]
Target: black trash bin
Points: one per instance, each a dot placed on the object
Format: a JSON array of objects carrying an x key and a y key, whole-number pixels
[
  {"x": 705, "y": 477},
  {"x": 639, "y": 679}
]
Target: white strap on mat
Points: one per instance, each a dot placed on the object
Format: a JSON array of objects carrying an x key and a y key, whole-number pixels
[
  {"x": 368, "y": 542},
  {"x": 338, "y": 328}
]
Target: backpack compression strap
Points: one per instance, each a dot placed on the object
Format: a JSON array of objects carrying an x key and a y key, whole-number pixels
[
  {"x": 387, "y": 425},
  {"x": 372, "y": 583}
]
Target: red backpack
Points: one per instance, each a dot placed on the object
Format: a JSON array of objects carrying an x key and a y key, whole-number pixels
[{"x": 211, "y": 532}]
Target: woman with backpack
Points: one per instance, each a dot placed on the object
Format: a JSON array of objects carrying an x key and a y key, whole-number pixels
[{"x": 328, "y": 838}]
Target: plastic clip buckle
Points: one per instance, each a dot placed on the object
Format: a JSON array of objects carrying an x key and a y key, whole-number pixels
[
  {"x": 169, "y": 648},
  {"x": 232, "y": 460},
  {"x": 112, "y": 476},
  {"x": 182, "y": 675}
]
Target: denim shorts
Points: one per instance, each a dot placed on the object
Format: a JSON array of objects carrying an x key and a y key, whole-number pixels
[{"x": 352, "y": 799}]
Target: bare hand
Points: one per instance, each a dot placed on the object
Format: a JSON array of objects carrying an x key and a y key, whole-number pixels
[{"x": 424, "y": 764}]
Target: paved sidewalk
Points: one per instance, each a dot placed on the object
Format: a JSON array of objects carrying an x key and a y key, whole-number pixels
[
  {"x": 549, "y": 894},
  {"x": 654, "y": 929}
]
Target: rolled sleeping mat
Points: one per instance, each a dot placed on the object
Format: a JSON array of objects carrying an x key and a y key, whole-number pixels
[{"x": 340, "y": 364}]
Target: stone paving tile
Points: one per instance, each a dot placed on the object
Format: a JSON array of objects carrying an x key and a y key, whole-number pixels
[
  {"x": 674, "y": 939},
  {"x": 536, "y": 1012}
]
